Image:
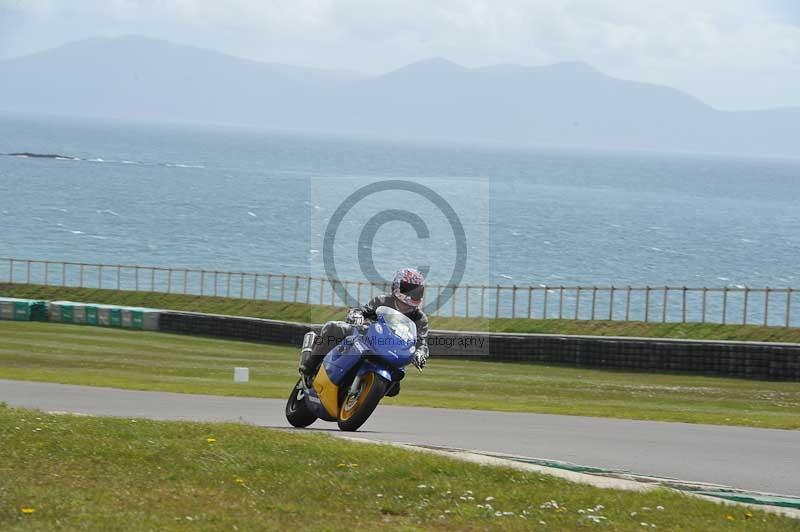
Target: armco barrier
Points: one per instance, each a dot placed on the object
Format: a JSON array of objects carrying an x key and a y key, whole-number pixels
[{"x": 751, "y": 360}]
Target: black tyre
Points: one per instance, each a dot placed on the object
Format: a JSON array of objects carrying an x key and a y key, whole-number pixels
[
  {"x": 357, "y": 408},
  {"x": 297, "y": 412}
]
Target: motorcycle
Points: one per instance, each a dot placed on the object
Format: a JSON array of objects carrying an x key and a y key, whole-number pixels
[{"x": 355, "y": 375}]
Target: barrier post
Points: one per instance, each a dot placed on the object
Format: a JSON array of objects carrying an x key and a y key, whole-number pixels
[
  {"x": 100, "y": 277},
  {"x": 283, "y": 285},
  {"x": 483, "y": 289},
  {"x": 308, "y": 289},
  {"x": 119, "y": 276},
  {"x": 497, "y": 301},
  {"x": 628, "y": 305},
  {"x": 513, "y": 301},
  {"x": 152, "y": 279},
  {"x": 683, "y": 306},
  {"x": 664, "y": 310},
  {"x": 453, "y": 301},
  {"x": 594, "y": 300},
  {"x": 544, "y": 312},
  {"x": 705, "y": 298},
  {"x": 81, "y": 277},
  {"x": 724, "y": 305},
  {"x": 560, "y": 302},
  {"x": 577, "y": 302},
  {"x": 28, "y": 268},
  {"x": 296, "y": 287},
  {"x": 611, "y": 304},
  {"x": 46, "y": 271},
  {"x": 766, "y": 306},
  {"x": 647, "y": 304},
  {"x": 530, "y": 301}
]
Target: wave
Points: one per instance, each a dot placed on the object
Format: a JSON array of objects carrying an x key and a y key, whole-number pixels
[
  {"x": 28, "y": 154},
  {"x": 62, "y": 157}
]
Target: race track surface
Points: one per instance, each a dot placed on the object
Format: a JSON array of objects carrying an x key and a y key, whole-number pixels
[{"x": 754, "y": 459}]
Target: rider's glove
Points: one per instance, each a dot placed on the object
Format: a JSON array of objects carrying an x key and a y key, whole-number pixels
[
  {"x": 420, "y": 357},
  {"x": 355, "y": 316}
]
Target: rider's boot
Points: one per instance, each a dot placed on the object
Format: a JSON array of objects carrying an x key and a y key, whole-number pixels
[{"x": 393, "y": 390}]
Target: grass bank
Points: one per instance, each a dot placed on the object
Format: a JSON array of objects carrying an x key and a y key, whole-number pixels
[
  {"x": 320, "y": 314},
  {"x": 75, "y": 354},
  {"x": 82, "y": 473}
]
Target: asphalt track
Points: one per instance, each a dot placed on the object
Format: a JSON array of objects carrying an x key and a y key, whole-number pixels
[{"x": 764, "y": 460}]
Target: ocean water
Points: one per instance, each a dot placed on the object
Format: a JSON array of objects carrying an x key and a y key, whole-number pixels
[{"x": 235, "y": 199}]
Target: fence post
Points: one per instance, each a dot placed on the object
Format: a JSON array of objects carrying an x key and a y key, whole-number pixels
[
  {"x": 28, "y": 267},
  {"x": 202, "y": 282},
  {"x": 453, "y": 301},
  {"x": 333, "y": 293},
  {"x": 577, "y": 302},
  {"x": 497, "y": 301},
  {"x": 594, "y": 300},
  {"x": 513, "y": 301},
  {"x": 628, "y": 305},
  {"x": 255, "y": 287},
  {"x": 321, "y": 290},
  {"x": 119, "y": 277},
  {"x": 81, "y": 278},
  {"x": 683, "y": 306},
  {"x": 185, "y": 280},
  {"x": 766, "y": 306},
  {"x": 466, "y": 304},
  {"x": 530, "y": 301},
  {"x": 169, "y": 281},
  {"x": 308, "y": 289},
  {"x": 99, "y": 277},
  {"x": 544, "y": 312},
  {"x": 560, "y": 302},
  {"x": 611, "y": 304},
  {"x": 705, "y": 297},
  {"x": 358, "y": 291},
  {"x": 296, "y": 286},
  {"x": 63, "y": 274},
  {"x": 724, "y": 305},
  {"x": 647, "y": 304},
  {"x": 46, "y": 271},
  {"x": 788, "y": 306},
  {"x": 664, "y": 310},
  {"x": 746, "y": 297},
  {"x": 241, "y": 285},
  {"x": 152, "y": 279},
  {"x": 228, "y": 288},
  {"x": 483, "y": 289},
  {"x": 216, "y": 282},
  {"x": 10, "y": 271},
  {"x": 269, "y": 287}
]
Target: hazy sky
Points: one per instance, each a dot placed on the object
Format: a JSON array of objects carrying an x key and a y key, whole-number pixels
[{"x": 733, "y": 54}]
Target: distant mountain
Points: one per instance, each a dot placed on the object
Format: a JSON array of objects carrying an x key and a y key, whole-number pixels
[{"x": 566, "y": 104}]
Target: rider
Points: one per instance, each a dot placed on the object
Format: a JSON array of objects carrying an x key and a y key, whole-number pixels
[{"x": 408, "y": 288}]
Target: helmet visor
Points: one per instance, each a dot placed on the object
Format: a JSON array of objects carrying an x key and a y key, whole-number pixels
[{"x": 413, "y": 292}]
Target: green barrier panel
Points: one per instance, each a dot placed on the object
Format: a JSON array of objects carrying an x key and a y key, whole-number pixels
[
  {"x": 137, "y": 319},
  {"x": 91, "y": 316},
  {"x": 115, "y": 315},
  {"x": 22, "y": 311},
  {"x": 67, "y": 313},
  {"x": 39, "y": 311},
  {"x": 104, "y": 316}
]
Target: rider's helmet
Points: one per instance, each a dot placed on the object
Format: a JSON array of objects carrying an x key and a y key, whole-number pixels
[{"x": 408, "y": 288}]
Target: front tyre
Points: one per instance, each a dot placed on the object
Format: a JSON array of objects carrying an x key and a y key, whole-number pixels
[
  {"x": 357, "y": 407},
  {"x": 297, "y": 411}
]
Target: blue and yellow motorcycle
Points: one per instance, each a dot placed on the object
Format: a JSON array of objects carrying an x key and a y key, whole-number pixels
[{"x": 355, "y": 375}]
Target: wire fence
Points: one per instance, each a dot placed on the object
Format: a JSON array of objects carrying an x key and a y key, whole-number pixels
[{"x": 666, "y": 304}]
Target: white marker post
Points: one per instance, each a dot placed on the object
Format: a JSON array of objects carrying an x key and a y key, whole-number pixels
[{"x": 241, "y": 374}]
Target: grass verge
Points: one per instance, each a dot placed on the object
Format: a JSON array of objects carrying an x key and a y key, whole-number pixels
[
  {"x": 75, "y": 354},
  {"x": 82, "y": 473},
  {"x": 320, "y": 314}
]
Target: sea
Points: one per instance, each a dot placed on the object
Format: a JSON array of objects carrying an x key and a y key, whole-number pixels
[{"x": 231, "y": 198}]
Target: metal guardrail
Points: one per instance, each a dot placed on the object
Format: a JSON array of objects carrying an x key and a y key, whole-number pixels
[{"x": 666, "y": 304}]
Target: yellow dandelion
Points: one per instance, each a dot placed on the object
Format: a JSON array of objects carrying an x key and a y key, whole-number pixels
[
  {"x": 341, "y": 465},
  {"x": 748, "y": 515},
  {"x": 28, "y": 511},
  {"x": 239, "y": 480},
  {"x": 211, "y": 440},
  {"x": 730, "y": 518}
]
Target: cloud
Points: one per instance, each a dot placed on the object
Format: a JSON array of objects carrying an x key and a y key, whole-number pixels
[{"x": 719, "y": 49}]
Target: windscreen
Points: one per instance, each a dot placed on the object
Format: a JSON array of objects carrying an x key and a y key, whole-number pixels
[{"x": 398, "y": 323}]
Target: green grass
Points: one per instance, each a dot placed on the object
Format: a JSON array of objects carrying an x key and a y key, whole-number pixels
[
  {"x": 120, "y": 358},
  {"x": 320, "y": 314},
  {"x": 82, "y": 473}
]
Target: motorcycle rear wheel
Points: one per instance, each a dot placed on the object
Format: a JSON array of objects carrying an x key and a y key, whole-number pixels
[
  {"x": 356, "y": 408},
  {"x": 297, "y": 411}
]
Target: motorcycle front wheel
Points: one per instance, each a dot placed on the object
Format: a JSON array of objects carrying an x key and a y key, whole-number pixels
[
  {"x": 357, "y": 407},
  {"x": 297, "y": 411}
]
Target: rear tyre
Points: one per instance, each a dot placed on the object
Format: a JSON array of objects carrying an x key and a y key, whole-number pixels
[
  {"x": 356, "y": 408},
  {"x": 297, "y": 411}
]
